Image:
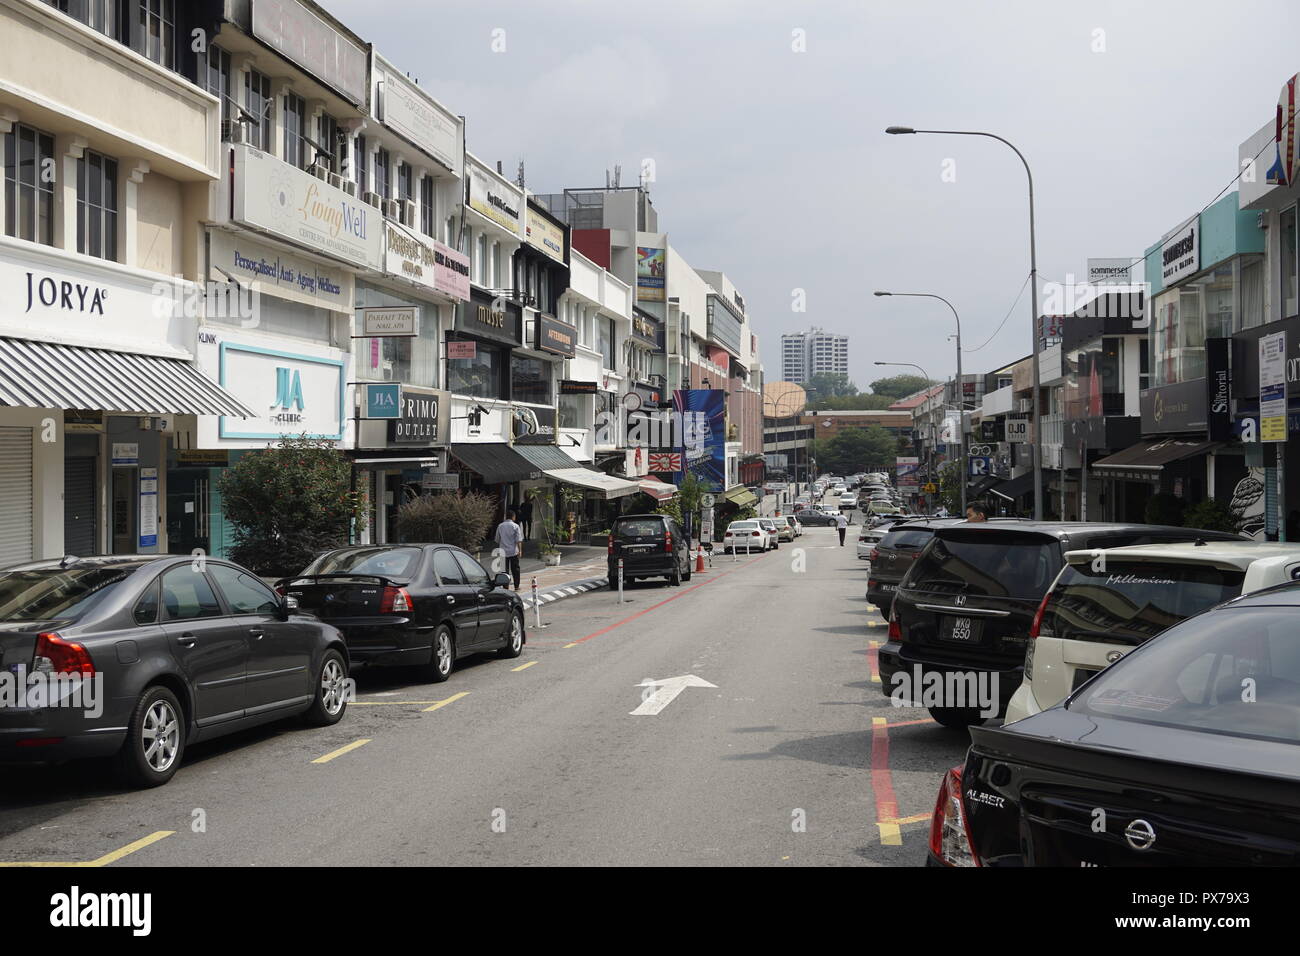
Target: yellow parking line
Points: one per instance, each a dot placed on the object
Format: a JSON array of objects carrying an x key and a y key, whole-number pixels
[
  {"x": 574, "y": 644},
  {"x": 522, "y": 667},
  {"x": 388, "y": 703},
  {"x": 889, "y": 834},
  {"x": 450, "y": 700},
  {"x": 342, "y": 750},
  {"x": 107, "y": 858},
  {"x": 916, "y": 819}
]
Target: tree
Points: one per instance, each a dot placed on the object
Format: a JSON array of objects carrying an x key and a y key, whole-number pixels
[
  {"x": 859, "y": 402},
  {"x": 899, "y": 386},
  {"x": 288, "y": 503},
  {"x": 853, "y": 449},
  {"x": 459, "y": 517},
  {"x": 830, "y": 385}
]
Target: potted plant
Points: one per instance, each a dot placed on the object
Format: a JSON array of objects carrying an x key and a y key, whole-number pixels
[{"x": 546, "y": 548}]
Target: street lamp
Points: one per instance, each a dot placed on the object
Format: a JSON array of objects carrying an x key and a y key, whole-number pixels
[
  {"x": 961, "y": 388},
  {"x": 1033, "y": 299},
  {"x": 930, "y": 460}
]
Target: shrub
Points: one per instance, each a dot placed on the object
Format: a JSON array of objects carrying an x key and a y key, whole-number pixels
[
  {"x": 1164, "y": 508},
  {"x": 461, "y": 518},
  {"x": 1210, "y": 516},
  {"x": 288, "y": 503}
]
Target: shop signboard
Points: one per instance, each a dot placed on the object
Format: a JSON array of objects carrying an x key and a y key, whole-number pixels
[
  {"x": 702, "y": 435},
  {"x": 424, "y": 420},
  {"x": 381, "y": 400},
  {"x": 391, "y": 322},
  {"x": 1272, "y": 387},
  {"x": 491, "y": 197},
  {"x": 426, "y": 262},
  {"x": 650, "y": 274},
  {"x": 909, "y": 471},
  {"x": 148, "y": 507},
  {"x": 1180, "y": 253},
  {"x": 403, "y": 106},
  {"x": 552, "y": 335},
  {"x": 267, "y": 270},
  {"x": 545, "y": 235}
]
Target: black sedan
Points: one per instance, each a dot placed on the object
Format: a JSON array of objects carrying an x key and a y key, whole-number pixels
[
  {"x": 810, "y": 516},
  {"x": 1183, "y": 753},
  {"x": 412, "y": 604},
  {"x": 136, "y": 657}
]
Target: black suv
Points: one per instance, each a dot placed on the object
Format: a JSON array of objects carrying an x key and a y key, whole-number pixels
[
  {"x": 964, "y": 610},
  {"x": 651, "y": 546},
  {"x": 893, "y": 556}
]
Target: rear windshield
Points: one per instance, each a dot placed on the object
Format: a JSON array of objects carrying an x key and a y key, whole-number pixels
[
  {"x": 991, "y": 564},
  {"x": 1235, "y": 671},
  {"x": 639, "y": 528},
  {"x": 56, "y": 593},
  {"x": 386, "y": 562},
  {"x": 909, "y": 539},
  {"x": 1132, "y": 603},
  {"x": 743, "y": 526}
]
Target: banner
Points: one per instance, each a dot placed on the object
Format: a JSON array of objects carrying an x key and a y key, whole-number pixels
[
  {"x": 909, "y": 472},
  {"x": 701, "y": 428},
  {"x": 650, "y": 273}
]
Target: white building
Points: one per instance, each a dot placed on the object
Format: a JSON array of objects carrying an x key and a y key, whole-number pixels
[{"x": 805, "y": 354}]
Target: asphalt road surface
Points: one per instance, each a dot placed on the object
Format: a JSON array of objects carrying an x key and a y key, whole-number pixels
[{"x": 794, "y": 756}]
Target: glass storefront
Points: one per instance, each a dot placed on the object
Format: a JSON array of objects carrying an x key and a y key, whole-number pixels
[
  {"x": 413, "y": 360},
  {"x": 530, "y": 379},
  {"x": 1214, "y": 304},
  {"x": 482, "y": 376}
]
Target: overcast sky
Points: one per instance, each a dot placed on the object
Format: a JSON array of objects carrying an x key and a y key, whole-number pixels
[{"x": 772, "y": 165}]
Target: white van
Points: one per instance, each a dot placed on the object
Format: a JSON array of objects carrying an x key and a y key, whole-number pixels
[{"x": 1104, "y": 603}]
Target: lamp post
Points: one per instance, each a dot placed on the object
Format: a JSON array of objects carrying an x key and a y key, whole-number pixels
[
  {"x": 961, "y": 389},
  {"x": 1033, "y": 300}
]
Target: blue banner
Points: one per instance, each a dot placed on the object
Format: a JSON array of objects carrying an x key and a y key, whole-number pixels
[{"x": 701, "y": 435}]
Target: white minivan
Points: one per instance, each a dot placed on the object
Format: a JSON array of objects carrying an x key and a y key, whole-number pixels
[{"x": 1104, "y": 603}]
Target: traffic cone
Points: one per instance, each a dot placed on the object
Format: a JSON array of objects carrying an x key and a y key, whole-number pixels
[{"x": 699, "y": 559}]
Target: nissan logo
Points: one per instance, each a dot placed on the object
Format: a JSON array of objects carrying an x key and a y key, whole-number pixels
[{"x": 1140, "y": 835}]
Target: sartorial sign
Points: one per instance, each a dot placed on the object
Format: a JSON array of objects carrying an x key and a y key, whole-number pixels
[
  {"x": 1180, "y": 253},
  {"x": 552, "y": 335},
  {"x": 295, "y": 205},
  {"x": 1218, "y": 389},
  {"x": 545, "y": 235},
  {"x": 494, "y": 199}
]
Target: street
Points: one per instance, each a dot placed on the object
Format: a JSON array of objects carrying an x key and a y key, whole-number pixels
[{"x": 540, "y": 761}]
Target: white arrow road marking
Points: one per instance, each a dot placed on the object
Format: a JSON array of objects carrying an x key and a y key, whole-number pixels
[{"x": 667, "y": 692}]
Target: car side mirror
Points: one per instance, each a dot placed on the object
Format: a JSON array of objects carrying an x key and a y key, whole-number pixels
[
  {"x": 288, "y": 605},
  {"x": 502, "y": 580}
]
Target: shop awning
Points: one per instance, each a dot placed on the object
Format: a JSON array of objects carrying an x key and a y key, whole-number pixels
[
  {"x": 546, "y": 456},
  {"x": 497, "y": 462},
  {"x": 740, "y": 496},
  {"x": 595, "y": 481},
  {"x": 1013, "y": 488},
  {"x": 658, "y": 490},
  {"x": 48, "y": 375},
  {"x": 1147, "y": 458}
]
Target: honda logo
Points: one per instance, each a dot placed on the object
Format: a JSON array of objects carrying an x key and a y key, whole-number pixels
[{"x": 960, "y": 600}]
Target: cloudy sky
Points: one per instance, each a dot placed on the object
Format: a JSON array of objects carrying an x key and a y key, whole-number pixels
[{"x": 772, "y": 164}]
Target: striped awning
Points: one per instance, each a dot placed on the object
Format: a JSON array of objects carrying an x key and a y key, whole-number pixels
[
  {"x": 658, "y": 490},
  {"x": 49, "y": 375}
]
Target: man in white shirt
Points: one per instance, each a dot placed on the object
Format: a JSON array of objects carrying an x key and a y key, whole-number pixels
[
  {"x": 842, "y": 523},
  {"x": 509, "y": 535}
]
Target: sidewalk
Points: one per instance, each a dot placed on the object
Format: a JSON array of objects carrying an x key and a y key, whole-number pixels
[{"x": 580, "y": 569}]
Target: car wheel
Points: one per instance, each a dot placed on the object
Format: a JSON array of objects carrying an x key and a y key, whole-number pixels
[
  {"x": 331, "y": 699},
  {"x": 675, "y": 579},
  {"x": 956, "y": 718},
  {"x": 686, "y": 575},
  {"x": 444, "y": 656},
  {"x": 155, "y": 740},
  {"x": 515, "y": 638}
]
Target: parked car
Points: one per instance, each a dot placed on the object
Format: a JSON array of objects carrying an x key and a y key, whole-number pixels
[
  {"x": 784, "y": 530},
  {"x": 848, "y": 501},
  {"x": 892, "y": 557},
  {"x": 176, "y": 651},
  {"x": 1105, "y": 603},
  {"x": 651, "y": 546},
  {"x": 868, "y": 538},
  {"x": 814, "y": 517},
  {"x": 1160, "y": 760},
  {"x": 771, "y": 527},
  {"x": 795, "y": 526},
  {"x": 748, "y": 535},
  {"x": 967, "y": 603},
  {"x": 424, "y": 605},
  {"x": 881, "y": 508}
]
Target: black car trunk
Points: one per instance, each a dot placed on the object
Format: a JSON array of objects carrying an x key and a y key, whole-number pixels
[
  {"x": 1043, "y": 802},
  {"x": 640, "y": 543},
  {"x": 336, "y": 596}
]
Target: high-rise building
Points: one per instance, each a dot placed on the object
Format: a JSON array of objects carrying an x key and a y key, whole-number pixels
[{"x": 805, "y": 354}]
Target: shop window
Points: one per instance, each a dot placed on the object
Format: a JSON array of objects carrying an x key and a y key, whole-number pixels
[
  {"x": 363, "y": 166},
  {"x": 383, "y": 182},
  {"x": 296, "y": 152},
  {"x": 29, "y": 176},
  {"x": 1252, "y": 292},
  {"x": 397, "y": 358},
  {"x": 405, "y": 190},
  {"x": 216, "y": 80},
  {"x": 426, "y": 205},
  {"x": 158, "y": 31},
  {"x": 530, "y": 380},
  {"x": 257, "y": 101},
  {"x": 328, "y": 142},
  {"x": 570, "y": 411},
  {"x": 481, "y": 377},
  {"x": 97, "y": 206},
  {"x": 1290, "y": 306}
]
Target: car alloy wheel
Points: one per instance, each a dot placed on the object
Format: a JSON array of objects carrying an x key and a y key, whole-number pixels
[
  {"x": 516, "y": 634},
  {"x": 442, "y": 652},
  {"x": 333, "y": 684},
  {"x": 160, "y": 736}
]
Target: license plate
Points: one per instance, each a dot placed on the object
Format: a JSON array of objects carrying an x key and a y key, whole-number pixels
[
  {"x": 960, "y": 629},
  {"x": 889, "y": 587}
]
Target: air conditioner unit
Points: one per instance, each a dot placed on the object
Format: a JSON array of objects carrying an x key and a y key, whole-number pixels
[
  {"x": 408, "y": 213},
  {"x": 233, "y": 131},
  {"x": 392, "y": 209},
  {"x": 336, "y": 180},
  {"x": 319, "y": 171},
  {"x": 372, "y": 199},
  {"x": 350, "y": 187}
]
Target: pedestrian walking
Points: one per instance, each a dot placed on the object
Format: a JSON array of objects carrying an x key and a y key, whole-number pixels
[
  {"x": 509, "y": 535},
  {"x": 526, "y": 518},
  {"x": 842, "y": 524}
]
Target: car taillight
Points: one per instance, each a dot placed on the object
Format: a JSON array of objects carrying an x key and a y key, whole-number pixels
[
  {"x": 395, "y": 601},
  {"x": 1038, "y": 617},
  {"x": 668, "y": 541},
  {"x": 54, "y": 655},
  {"x": 950, "y": 840},
  {"x": 875, "y": 553},
  {"x": 611, "y": 544},
  {"x": 895, "y": 629},
  {"x": 756, "y": 534}
]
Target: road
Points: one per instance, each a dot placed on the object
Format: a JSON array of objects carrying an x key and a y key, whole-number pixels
[{"x": 793, "y": 756}]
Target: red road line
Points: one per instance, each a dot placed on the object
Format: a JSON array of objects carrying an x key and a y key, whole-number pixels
[
  {"x": 679, "y": 594},
  {"x": 882, "y": 784}
]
